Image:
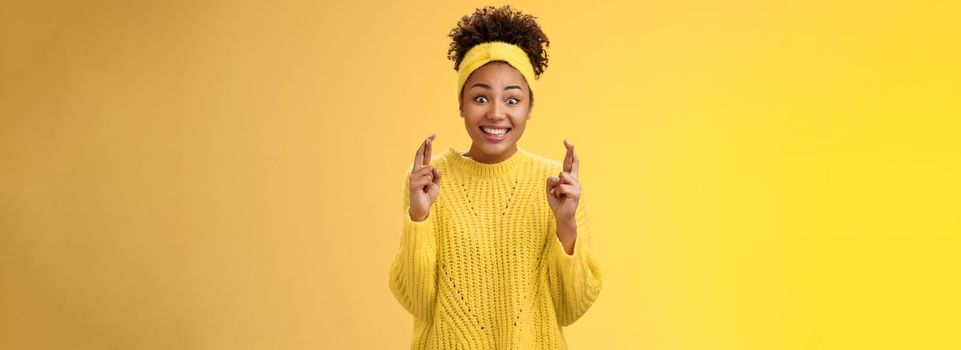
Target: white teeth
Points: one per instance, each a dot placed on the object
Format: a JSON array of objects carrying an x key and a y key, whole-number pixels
[{"x": 495, "y": 132}]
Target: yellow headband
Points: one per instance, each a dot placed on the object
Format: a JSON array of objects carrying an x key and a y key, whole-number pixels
[{"x": 482, "y": 53}]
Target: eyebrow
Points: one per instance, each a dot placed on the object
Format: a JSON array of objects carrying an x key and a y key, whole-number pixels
[{"x": 488, "y": 87}]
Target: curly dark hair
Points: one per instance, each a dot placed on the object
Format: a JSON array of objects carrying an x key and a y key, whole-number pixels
[{"x": 499, "y": 24}]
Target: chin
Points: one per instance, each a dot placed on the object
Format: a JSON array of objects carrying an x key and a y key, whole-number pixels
[{"x": 499, "y": 148}]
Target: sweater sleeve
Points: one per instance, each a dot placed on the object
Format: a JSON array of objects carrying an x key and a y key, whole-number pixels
[
  {"x": 575, "y": 279},
  {"x": 413, "y": 273}
]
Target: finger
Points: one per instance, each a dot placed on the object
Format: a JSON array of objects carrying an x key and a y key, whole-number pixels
[
  {"x": 418, "y": 185},
  {"x": 422, "y": 180},
  {"x": 567, "y": 190},
  {"x": 569, "y": 157},
  {"x": 567, "y": 178},
  {"x": 575, "y": 162},
  {"x": 428, "y": 149},
  {"x": 419, "y": 156},
  {"x": 551, "y": 183},
  {"x": 428, "y": 171},
  {"x": 555, "y": 181},
  {"x": 436, "y": 173},
  {"x": 429, "y": 176},
  {"x": 420, "y": 171}
]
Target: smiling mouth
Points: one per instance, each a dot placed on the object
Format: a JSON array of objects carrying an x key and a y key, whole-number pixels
[{"x": 495, "y": 132}]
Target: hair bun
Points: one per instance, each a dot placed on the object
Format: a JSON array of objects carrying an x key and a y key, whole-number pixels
[{"x": 499, "y": 24}]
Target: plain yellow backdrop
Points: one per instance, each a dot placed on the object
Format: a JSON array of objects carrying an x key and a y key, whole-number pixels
[{"x": 228, "y": 174}]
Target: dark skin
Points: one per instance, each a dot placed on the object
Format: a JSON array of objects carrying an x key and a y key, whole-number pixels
[{"x": 497, "y": 95}]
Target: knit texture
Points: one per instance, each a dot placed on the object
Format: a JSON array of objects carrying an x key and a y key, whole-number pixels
[{"x": 486, "y": 270}]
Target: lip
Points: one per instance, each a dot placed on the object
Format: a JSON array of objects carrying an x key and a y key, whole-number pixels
[
  {"x": 489, "y": 126},
  {"x": 493, "y": 138}
]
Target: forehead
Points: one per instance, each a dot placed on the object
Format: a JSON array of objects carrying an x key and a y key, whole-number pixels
[{"x": 497, "y": 73}]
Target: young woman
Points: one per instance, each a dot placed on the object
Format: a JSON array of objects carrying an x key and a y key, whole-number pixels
[{"x": 496, "y": 255}]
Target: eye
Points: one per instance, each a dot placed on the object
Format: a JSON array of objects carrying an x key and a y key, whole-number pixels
[
  {"x": 480, "y": 99},
  {"x": 513, "y": 101}
]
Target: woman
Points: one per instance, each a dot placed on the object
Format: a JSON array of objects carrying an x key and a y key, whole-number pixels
[{"x": 495, "y": 255}]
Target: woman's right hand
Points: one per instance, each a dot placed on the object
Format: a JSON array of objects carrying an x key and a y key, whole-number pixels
[{"x": 424, "y": 182}]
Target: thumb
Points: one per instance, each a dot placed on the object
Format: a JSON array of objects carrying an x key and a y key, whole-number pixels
[
  {"x": 437, "y": 176},
  {"x": 551, "y": 182}
]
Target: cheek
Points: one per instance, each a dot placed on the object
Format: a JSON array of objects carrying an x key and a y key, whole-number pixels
[
  {"x": 469, "y": 115},
  {"x": 519, "y": 120},
  {"x": 471, "y": 110},
  {"x": 470, "y": 123}
]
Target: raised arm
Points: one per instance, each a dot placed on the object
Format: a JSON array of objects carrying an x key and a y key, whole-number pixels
[
  {"x": 574, "y": 275},
  {"x": 413, "y": 273}
]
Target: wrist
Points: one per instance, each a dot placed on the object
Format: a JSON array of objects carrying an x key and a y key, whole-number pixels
[
  {"x": 566, "y": 228},
  {"x": 566, "y": 223},
  {"x": 567, "y": 235},
  {"x": 417, "y": 218}
]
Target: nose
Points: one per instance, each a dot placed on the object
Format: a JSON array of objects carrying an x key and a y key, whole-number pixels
[{"x": 496, "y": 112}]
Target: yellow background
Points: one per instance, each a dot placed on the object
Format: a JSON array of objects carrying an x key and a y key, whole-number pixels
[{"x": 227, "y": 174}]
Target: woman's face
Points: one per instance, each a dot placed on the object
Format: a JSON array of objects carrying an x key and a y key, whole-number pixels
[{"x": 495, "y": 105}]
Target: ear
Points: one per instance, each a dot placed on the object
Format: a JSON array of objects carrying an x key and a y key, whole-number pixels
[
  {"x": 530, "y": 112},
  {"x": 530, "y": 97}
]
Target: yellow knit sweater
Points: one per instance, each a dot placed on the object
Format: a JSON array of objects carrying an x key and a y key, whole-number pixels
[{"x": 486, "y": 270}]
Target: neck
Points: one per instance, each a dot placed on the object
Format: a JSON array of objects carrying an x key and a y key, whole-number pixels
[{"x": 475, "y": 153}]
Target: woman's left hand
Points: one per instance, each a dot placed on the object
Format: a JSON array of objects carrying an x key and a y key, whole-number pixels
[{"x": 564, "y": 190}]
